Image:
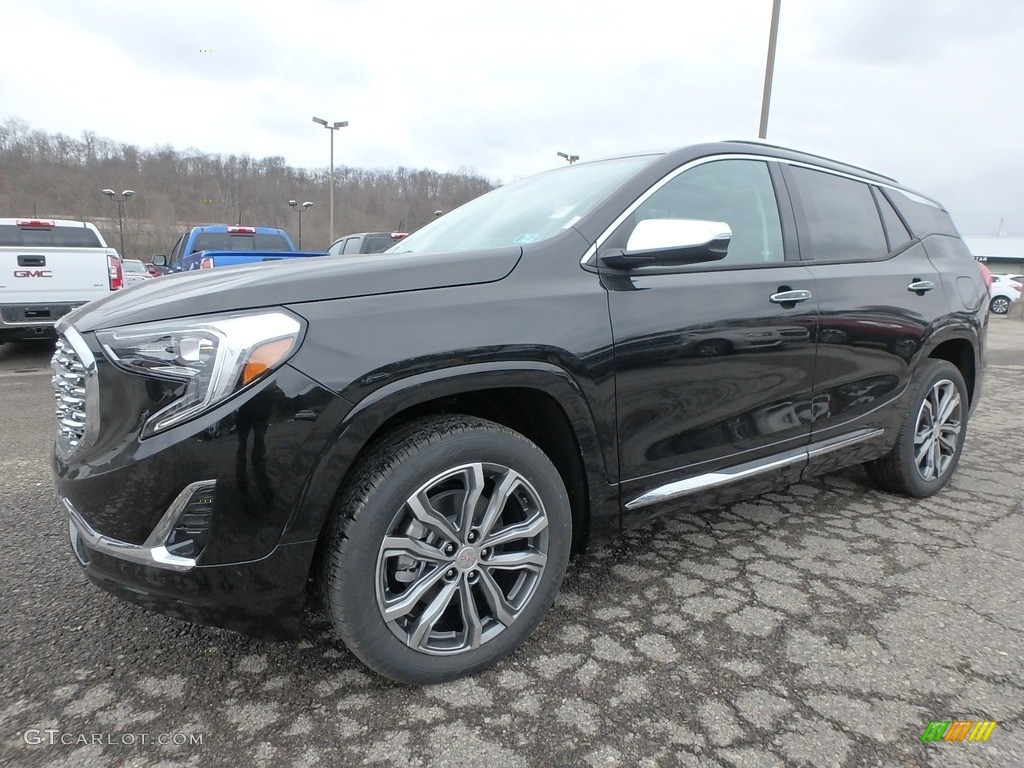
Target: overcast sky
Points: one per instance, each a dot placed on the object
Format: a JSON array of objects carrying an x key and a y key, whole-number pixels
[{"x": 926, "y": 91}]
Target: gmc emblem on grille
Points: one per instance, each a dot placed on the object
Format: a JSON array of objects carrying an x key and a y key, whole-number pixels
[{"x": 33, "y": 273}]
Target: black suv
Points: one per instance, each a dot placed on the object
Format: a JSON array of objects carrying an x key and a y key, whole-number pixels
[{"x": 419, "y": 439}]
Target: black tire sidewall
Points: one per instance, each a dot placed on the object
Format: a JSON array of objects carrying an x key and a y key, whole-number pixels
[{"x": 351, "y": 580}]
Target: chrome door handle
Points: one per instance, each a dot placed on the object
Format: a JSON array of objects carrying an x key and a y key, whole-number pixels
[
  {"x": 790, "y": 297},
  {"x": 920, "y": 286}
]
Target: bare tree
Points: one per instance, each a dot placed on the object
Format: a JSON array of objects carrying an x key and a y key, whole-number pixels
[{"x": 61, "y": 177}]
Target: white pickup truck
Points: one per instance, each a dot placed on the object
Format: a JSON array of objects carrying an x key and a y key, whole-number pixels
[{"x": 47, "y": 268}]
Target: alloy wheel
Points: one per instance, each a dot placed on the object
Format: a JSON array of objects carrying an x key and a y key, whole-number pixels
[
  {"x": 462, "y": 558},
  {"x": 937, "y": 433}
]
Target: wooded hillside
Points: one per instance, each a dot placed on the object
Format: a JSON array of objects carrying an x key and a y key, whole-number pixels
[{"x": 57, "y": 176}]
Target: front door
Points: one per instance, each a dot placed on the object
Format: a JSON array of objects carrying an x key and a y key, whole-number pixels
[{"x": 710, "y": 371}]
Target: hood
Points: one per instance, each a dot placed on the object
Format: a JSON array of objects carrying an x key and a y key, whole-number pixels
[{"x": 277, "y": 283}]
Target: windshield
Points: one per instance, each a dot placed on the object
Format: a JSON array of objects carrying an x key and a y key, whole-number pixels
[
  {"x": 526, "y": 211},
  {"x": 131, "y": 265}
]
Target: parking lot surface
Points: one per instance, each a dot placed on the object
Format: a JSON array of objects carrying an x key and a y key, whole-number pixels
[{"x": 825, "y": 625}]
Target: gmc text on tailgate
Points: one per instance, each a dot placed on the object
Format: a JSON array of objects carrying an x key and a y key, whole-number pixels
[{"x": 419, "y": 440}]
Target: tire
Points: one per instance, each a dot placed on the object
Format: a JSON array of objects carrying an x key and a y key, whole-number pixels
[
  {"x": 924, "y": 458},
  {"x": 1000, "y": 305},
  {"x": 424, "y": 588}
]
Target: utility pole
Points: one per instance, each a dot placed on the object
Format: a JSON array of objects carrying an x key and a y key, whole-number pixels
[
  {"x": 121, "y": 210},
  {"x": 301, "y": 209},
  {"x": 332, "y": 127},
  {"x": 769, "y": 70}
]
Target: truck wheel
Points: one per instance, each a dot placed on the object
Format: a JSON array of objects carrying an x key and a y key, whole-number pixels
[
  {"x": 928, "y": 446},
  {"x": 446, "y": 549}
]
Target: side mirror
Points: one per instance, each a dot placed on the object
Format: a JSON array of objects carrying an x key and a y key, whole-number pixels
[
  {"x": 671, "y": 242},
  {"x": 159, "y": 259}
]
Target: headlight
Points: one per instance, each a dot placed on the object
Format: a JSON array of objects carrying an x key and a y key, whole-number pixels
[{"x": 213, "y": 357}]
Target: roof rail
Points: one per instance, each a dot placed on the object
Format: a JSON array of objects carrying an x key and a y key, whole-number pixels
[{"x": 763, "y": 143}]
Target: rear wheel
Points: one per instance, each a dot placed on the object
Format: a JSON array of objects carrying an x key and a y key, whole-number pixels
[
  {"x": 928, "y": 446},
  {"x": 447, "y": 549}
]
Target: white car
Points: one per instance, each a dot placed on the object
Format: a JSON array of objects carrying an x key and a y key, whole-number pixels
[
  {"x": 134, "y": 272},
  {"x": 1002, "y": 292}
]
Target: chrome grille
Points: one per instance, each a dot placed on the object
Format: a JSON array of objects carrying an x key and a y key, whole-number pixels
[{"x": 74, "y": 385}]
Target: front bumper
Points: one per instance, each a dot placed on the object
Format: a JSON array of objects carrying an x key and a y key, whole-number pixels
[
  {"x": 263, "y": 598},
  {"x": 195, "y": 521}
]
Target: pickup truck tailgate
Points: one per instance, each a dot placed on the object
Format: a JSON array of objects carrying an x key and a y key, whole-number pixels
[{"x": 53, "y": 275}]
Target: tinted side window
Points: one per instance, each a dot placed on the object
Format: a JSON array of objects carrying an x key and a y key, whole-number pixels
[
  {"x": 840, "y": 218},
  {"x": 176, "y": 251},
  {"x": 738, "y": 192},
  {"x": 895, "y": 229},
  {"x": 924, "y": 217}
]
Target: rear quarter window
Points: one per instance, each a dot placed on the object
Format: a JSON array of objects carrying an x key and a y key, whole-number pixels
[{"x": 923, "y": 216}]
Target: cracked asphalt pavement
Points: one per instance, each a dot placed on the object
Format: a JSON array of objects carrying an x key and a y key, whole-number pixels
[{"x": 824, "y": 625}]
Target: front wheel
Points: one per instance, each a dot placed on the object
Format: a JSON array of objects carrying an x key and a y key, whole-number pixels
[
  {"x": 928, "y": 446},
  {"x": 1000, "y": 305},
  {"x": 447, "y": 549}
]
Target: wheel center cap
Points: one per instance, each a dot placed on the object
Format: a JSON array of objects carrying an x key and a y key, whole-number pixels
[{"x": 467, "y": 559}]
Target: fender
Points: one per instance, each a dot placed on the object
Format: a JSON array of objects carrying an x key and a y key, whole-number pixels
[
  {"x": 360, "y": 424},
  {"x": 960, "y": 328},
  {"x": 956, "y": 326}
]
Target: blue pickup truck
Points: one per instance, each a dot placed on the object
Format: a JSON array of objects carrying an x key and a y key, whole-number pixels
[{"x": 219, "y": 245}]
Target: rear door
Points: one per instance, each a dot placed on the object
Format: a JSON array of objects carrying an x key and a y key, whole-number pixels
[
  {"x": 710, "y": 371},
  {"x": 878, "y": 296}
]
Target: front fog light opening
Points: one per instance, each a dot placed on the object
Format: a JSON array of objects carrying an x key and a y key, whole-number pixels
[{"x": 191, "y": 531}]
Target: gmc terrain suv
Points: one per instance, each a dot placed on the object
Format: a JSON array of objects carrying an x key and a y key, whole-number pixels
[{"x": 420, "y": 439}]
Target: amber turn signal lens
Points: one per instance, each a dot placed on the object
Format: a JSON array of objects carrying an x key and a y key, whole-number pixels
[{"x": 265, "y": 357}]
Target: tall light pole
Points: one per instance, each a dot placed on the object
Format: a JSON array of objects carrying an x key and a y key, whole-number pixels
[
  {"x": 301, "y": 210},
  {"x": 332, "y": 127},
  {"x": 122, "y": 210},
  {"x": 769, "y": 70},
  {"x": 570, "y": 158}
]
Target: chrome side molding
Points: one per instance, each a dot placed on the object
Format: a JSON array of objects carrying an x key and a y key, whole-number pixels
[{"x": 708, "y": 480}]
